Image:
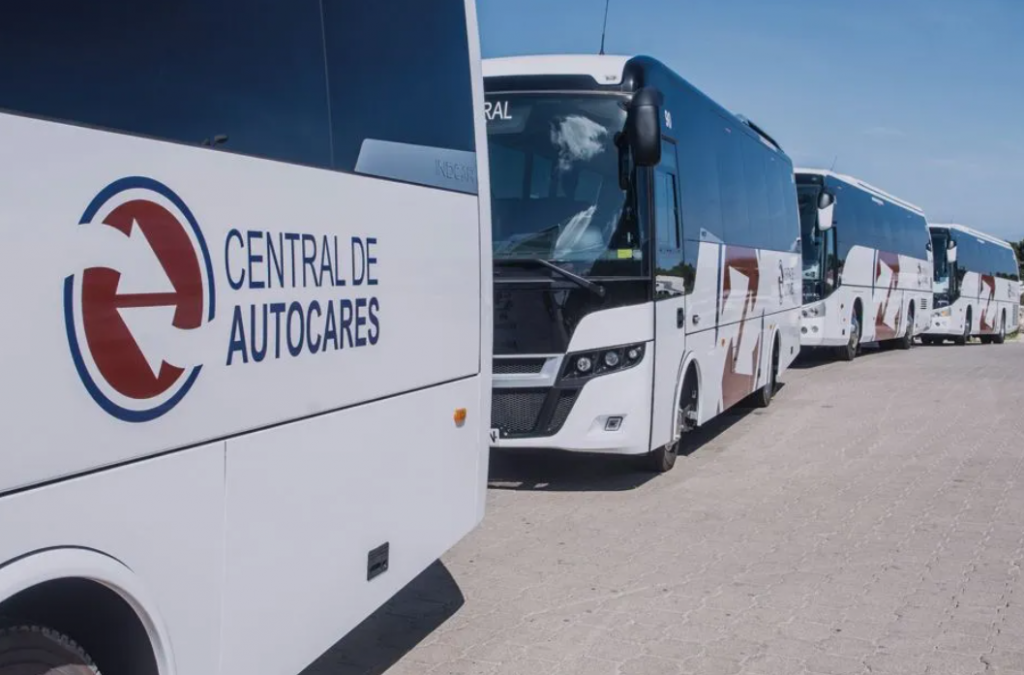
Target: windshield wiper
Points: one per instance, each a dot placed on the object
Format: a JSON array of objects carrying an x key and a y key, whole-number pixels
[{"x": 582, "y": 282}]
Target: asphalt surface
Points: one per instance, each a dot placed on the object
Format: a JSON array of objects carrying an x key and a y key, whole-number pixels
[{"x": 870, "y": 521}]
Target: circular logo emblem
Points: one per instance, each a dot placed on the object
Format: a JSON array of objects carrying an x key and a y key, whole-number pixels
[{"x": 133, "y": 312}]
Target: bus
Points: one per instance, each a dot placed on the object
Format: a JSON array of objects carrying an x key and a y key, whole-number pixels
[
  {"x": 977, "y": 287},
  {"x": 248, "y": 345},
  {"x": 646, "y": 251},
  {"x": 867, "y": 265}
]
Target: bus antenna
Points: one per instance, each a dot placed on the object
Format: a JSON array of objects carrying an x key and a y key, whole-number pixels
[
  {"x": 834, "y": 160},
  {"x": 604, "y": 26}
]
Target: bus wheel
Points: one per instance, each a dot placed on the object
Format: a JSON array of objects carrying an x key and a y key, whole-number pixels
[
  {"x": 849, "y": 352},
  {"x": 1000, "y": 337},
  {"x": 763, "y": 397},
  {"x": 660, "y": 461},
  {"x": 908, "y": 339},
  {"x": 35, "y": 649}
]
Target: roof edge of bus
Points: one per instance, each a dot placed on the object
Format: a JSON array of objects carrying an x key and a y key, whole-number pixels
[
  {"x": 867, "y": 187},
  {"x": 606, "y": 69},
  {"x": 970, "y": 230}
]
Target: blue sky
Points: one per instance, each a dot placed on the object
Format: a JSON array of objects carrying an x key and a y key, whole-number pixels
[{"x": 923, "y": 98}]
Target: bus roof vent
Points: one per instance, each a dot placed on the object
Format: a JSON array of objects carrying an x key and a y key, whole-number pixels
[{"x": 760, "y": 132}]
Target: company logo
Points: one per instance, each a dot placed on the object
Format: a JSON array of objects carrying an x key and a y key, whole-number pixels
[{"x": 134, "y": 310}]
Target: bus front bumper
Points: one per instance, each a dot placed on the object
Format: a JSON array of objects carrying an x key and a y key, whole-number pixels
[
  {"x": 941, "y": 326},
  {"x": 609, "y": 414}
]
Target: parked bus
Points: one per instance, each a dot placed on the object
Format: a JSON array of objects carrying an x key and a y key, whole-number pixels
[
  {"x": 867, "y": 265},
  {"x": 247, "y": 355},
  {"x": 977, "y": 287},
  {"x": 646, "y": 246}
]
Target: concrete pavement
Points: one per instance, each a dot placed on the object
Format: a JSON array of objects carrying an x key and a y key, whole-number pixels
[{"x": 870, "y": 521}]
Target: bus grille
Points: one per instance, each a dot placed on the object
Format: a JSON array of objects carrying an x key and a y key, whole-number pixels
[
  {"x": 566, "y": 400},
  {"x": 529, "y": 366},
  {"x": 924, "y": 304},
  {"x": 531, "y": 412}
]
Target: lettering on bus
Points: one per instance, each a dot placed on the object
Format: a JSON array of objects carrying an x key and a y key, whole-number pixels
[
  {"x": 347, "y": 317},
  {"x": 497, "y": 110}
]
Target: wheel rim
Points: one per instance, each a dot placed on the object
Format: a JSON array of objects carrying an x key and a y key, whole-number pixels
[{"x": 854, "y": 335}]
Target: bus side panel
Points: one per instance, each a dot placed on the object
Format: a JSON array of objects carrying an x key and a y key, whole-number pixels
[
  {"x": 370, "y": 277},
  {"x": 176, "y": 502},
  {"x": 760, "y": 294},
  {"x": 306, "y": 503}
]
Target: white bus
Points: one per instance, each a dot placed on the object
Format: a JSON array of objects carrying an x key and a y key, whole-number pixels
[
  {"x": 977, "y": 287},
  {"x": 867, "y": 265},
  {"x": 246, "y": 363},
  {"x": 646, "y": 246}
]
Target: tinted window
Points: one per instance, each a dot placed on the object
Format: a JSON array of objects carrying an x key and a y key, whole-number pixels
[
  {"x": 251, "y": 70},
  {"x": 734, "y": 190},
  {"x": 250, "y": 73},
  {"x": 755, "y": 169},
  {"x": 666, "y": 213},
  {"x": 699, "y": 174},
  {"x": 399, "y": 72},
  {"x": 782, "y": 229}
]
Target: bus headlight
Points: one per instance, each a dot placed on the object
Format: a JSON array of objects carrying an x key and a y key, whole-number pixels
[
  {"x": 813, "y": 311},
  {"x": 602, "y": 361},
  {"x": 944, "y": 311}
]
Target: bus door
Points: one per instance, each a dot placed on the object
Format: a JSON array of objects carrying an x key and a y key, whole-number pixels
[{"x": 669, "y": 295}]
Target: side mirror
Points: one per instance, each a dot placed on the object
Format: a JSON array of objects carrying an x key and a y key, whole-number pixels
[
  {"x": 826, "y": 206},
  {"x": 643, "y": 126},
  {"x": 951, "y": 252}
]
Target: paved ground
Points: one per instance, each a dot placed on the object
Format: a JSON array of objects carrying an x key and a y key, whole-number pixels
[{"x": 870, "y": 521}]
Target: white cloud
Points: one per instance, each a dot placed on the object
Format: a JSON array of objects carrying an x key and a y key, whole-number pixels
[{"x": 578, "y": 139}]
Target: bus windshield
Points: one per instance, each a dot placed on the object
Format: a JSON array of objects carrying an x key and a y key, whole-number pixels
[
  {"x": 555, "y": 190},
  {"x": 940, "y": 264},
  {"x": 809, "y": 233}
]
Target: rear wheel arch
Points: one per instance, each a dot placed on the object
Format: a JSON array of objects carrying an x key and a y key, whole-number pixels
[
  {"x": 93, "y": 600},
  {"x": 690, "y": 368}
]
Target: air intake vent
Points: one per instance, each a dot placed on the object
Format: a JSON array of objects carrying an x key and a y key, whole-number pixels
[{"x": 525, "y": 366}]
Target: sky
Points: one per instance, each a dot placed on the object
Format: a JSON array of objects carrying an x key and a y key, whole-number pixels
[{"x": 921, "y": 98}]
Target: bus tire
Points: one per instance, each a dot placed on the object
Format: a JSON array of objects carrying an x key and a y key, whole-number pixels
[
  {"x": 763, "y": 397},
  {"x": 849, "y": 351},
  {"x": 1000, "y": 337},
  {"x": 661, "y": 460},
  {"x": 907, "y": 341},
  {"x": 36, "y": 649}
]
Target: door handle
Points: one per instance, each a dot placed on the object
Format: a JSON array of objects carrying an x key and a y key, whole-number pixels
[
  {"x": 680, "y": 317},
  {"x": 696, "y": 319}
]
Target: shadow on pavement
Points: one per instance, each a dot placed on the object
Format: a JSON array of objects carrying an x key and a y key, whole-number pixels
[
  {"x": 823, "y": 356},
  {"x": 559, "y": 471},
  {"x": 392, "y": 631}
]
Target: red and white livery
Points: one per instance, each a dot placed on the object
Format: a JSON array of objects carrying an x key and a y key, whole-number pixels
[
  {"x": 867, "y": 264},
  {"x": 977, "y": 286},
  {"x": 646, "y": 249}
]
